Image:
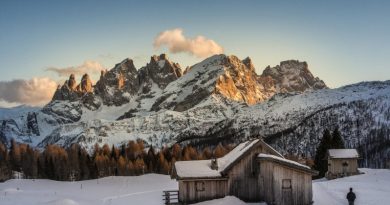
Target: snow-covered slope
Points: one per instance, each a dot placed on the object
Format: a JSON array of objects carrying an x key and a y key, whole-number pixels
[
  {"x": 15, "y": 112},
  {"x": 218, "y": 99}
]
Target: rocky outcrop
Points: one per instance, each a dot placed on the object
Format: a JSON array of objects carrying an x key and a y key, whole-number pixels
[
  {"x": 241, "y": 83},
  {"x": 68, "y": 91},
  {"x": 116, "y": 86},
  {"x": 293, "y": 76},
  {"x": 85, "y": 85},
  {"x": 32, "y": 123},
  {"x": 160, "y": 71}
]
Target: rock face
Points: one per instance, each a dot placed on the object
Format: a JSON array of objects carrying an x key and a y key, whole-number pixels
[
  {"x": 241, "y": 83},
  {"x": 68, "y": 91},
  {"x": 160, "y": 71},
  {"x": 293, "y": 76},
  {"x": 117, "y": 85},
  {"x": 85, "y": 85},
  {"x": 32, "y": 123}
]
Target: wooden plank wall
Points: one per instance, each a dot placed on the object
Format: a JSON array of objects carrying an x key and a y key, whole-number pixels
[
  {"x": 336, "y": 166},
  {"x": 243, "y": 183},
  {"x": 271, "y": 182},
  {"x": 213, "y": 189}
]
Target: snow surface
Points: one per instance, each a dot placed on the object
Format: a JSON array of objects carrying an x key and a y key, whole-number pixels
[
  {"x": 15, "y": 112},
  {"x": 371, "y": 188},
  {"x": 343, "y": 153},
  {"x": 202, "y": 168},
  {"x": 269, "y": 156},
  {"x": 146, "y": 189},
  {"x": 228, "y": 200}
]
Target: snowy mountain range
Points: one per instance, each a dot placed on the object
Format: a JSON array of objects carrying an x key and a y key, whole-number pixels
[{"x": 219, "y": 99}]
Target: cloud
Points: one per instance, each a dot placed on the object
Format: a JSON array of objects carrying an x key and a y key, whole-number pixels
[
  {"x": 5, "y": 104},
  {"x": 176, "y": 42},
  {"x": 90, "y": 67},
  {"x": 36, "y": 91}
]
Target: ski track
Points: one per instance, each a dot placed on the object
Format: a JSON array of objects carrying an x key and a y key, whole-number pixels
[{"x": 110, "y": 198}]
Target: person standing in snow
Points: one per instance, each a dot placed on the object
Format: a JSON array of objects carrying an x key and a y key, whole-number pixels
[{"x": 351, "y": 197}]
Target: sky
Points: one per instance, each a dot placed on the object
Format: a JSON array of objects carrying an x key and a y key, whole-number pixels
[{"x": 41, "y": 42}]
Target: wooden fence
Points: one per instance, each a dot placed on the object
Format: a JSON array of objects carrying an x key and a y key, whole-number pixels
[{"x": 171, "y": 197}]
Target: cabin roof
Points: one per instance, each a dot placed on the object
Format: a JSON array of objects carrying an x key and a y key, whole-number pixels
[
  {"x": 287, "y": 162},
  {"x": 342, "y": 153},
  {"x": 202, "y": 168}
]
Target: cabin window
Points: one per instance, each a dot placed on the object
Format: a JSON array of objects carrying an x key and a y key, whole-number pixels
[
  {"x": 286, "y": 183},
  {"x": 199, "y": 186}
]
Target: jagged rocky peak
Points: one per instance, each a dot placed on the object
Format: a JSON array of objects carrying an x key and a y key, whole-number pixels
[
  {"x": 85, "y": 85},
  {"x": 240, "y": 82},
  {"x": 72, "y": 92},
  {"x": 72, "y": 82},
  {"x": 293, "y": 76},
  {"x": 160, "y": 70},
  {"x": 117, "y": 85},
  {"x": 249, "y": 64}
]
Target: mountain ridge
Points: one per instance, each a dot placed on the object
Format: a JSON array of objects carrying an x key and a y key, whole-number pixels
[{"x": 218, "y": 99}]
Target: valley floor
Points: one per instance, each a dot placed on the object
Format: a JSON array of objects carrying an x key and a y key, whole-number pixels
[{"x": 371, "y": 188}]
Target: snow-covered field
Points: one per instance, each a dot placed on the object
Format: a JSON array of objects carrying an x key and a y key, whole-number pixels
[
  {"x": 146, "y": 189},
  {"x": 371, "y": 188}
]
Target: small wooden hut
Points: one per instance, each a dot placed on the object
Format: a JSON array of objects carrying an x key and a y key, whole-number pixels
[
  {"x": 252, "y": 171},
  {"x": 342, "y": 162}
]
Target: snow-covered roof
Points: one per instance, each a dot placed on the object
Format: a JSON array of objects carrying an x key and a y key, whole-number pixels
[
  {"x": 343, "y": 153},
  {"x": 196, "y": 168},
  {"x": 283, "y": 160},
  {"x": 202, "y": 168}
]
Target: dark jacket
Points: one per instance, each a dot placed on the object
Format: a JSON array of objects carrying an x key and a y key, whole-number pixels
[{"x": 351, "y": 196}]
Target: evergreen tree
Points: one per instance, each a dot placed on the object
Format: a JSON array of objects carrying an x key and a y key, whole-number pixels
[
  {"x": 320, "y": 163},
  {"x": 337, "y": 140}
]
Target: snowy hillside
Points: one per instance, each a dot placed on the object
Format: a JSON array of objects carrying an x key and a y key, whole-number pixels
[
  {"x": 371, "y": 188},
  {"x": 15, "y": 112},
  {"x": 218, "y": 99}
]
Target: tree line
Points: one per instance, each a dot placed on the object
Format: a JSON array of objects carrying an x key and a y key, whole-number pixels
[{"x": 75, "y": 163}]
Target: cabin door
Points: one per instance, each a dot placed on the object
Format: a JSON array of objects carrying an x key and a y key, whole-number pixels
[{"x": 287, "y": 192}]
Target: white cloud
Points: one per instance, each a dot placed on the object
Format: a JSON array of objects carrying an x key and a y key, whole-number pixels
[
  {"x": 35, "y": 91},
  {"x": 90, "y": 67},
  {"x": 176, "y": 42}
]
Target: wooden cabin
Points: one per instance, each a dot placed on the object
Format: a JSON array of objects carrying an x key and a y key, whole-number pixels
[
  {"x": 342, "y": 162},
  {"x": 253, "y": 171}
]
